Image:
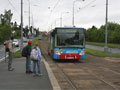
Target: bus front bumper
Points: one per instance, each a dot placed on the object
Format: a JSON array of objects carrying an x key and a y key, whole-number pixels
[{"x": 69, "y": 56}]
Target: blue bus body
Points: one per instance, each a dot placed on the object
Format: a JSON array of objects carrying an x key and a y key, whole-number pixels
[{"x": 67, "y": 43}]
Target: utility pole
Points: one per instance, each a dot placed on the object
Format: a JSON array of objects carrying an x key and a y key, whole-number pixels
[
  {"x": 56, "y": 21},
  {"x": 73, "y": 14},
  {"x": 61, "y": 18},
  {"x": 29, "y": 15},
  {"x": 73, "y": 11},
  {"x": 32, "y": 26},
  {"x": 106, "y": 28},
  {"x": 21, "y": 25}
]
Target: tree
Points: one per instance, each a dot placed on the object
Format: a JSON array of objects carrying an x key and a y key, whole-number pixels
[
  {"x": 5, "y": 25},
  {"x": 6, "y": 17},
  {"x": 5, "y": 33},
  {"x": 98, "y": 35}
]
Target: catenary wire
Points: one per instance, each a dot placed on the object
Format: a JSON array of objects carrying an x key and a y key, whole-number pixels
[{"x": 13, "y": 7}]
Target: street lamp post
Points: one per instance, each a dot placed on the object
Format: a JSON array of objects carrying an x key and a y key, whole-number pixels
[
  {"x": 56, "y": 20},
  {"x": 29, "y": 15},
  {"x": 106, "y": 28},
  {"x": 73, "y": 11},
  {"x": 61, "y": 18},
  {"x": 21, "y": 25}
]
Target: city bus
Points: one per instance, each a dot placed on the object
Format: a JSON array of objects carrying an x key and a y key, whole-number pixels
[{"x": 67, "y": 43}]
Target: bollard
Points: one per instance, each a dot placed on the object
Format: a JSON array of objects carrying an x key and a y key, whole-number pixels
[{"x": 110, "y": 52}]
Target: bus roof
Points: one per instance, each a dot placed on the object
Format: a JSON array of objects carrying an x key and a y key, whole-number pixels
[{"x": 69, "y": 27}]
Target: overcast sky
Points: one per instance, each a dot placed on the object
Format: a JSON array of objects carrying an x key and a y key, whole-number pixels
[{"x": 46, "y": 12}]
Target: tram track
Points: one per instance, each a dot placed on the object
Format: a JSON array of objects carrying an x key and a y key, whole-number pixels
[
  {"x": 91, "y": 73},
  {"x": 87, "y": 71},
  {"x": 65, "y": 75},
  {"x": 115, "y": 72},
  {"x": 69, "y": 79}
]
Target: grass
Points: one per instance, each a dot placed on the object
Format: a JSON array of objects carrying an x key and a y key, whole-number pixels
[
  {"x": 34, "y": 42},
  {"x": 18, "y": 53},
  {"x": 100, "y": 53},
  {"x": 111, "y": 45}
]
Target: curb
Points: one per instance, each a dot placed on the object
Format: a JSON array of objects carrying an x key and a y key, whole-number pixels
[
  {"x": 52, "y": 78},
  {"x": 2, "y": 59}
]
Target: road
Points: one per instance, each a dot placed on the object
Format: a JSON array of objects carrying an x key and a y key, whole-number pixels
[
  {"x": 2, "y": 50},
  {"x": 113, "y": 50}
]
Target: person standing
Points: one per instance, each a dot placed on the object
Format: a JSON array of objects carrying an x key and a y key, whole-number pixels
[
  {"x": 28, "y": 60},
  {"x": 10, "y": 52},
  {"x": 36, "y": 57}
]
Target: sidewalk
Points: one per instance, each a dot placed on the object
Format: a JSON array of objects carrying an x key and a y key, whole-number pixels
[
  {"x": 18, "y": 79},
  {"x": 111, "y": 50}
]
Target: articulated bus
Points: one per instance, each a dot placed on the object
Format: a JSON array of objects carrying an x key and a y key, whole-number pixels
[{"x": 67, "y": 43}]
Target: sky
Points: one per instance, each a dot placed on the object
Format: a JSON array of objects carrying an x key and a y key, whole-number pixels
[{"x": 46, "y": 14}]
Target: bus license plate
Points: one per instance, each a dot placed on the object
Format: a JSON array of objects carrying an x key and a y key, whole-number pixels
[{"x": 70, "y": 57}]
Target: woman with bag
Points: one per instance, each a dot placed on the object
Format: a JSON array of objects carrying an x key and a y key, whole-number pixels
[{"x": 36, "y": 57}]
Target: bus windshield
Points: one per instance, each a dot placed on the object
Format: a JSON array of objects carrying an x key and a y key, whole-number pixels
[{"x": 70, "y": 38}]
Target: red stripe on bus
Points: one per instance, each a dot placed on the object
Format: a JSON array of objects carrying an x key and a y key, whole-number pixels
[{"x": 69, "y": 56}]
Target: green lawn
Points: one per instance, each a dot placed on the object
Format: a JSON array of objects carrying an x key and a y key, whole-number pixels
[
  {"x": 103, "y": 44},
  {"x": 100, "y": 53}
]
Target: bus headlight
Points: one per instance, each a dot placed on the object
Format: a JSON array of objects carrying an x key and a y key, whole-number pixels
[
  {"x": 57, "y": 52},
  {"x": 82, "y": 53}
]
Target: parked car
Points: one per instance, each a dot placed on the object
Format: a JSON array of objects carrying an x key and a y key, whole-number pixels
[
  {"x": 16, "y": 43},
  {"x": 40, "y": 37},
  {"x": 25, "y": 39}
]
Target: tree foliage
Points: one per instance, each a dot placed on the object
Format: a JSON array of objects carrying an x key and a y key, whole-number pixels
[
  {"x": 5, "y": 32},
  {"x": 5, "y": 25},
  {"x": 98, "y": 35},
  {"x": 6, "y": 17}
]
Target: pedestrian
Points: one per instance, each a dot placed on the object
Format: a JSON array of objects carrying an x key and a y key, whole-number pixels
[
  {"x": 28, "y": 60},
  {"x": 36, "y": 57},
  {"x": 10, "y": 52}
]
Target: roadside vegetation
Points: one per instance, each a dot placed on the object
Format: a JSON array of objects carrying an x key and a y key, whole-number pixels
[
  {"x": 7, "y": 27},
  {"x": 101, "y": 53},
  {"x": 98, "y": 34}
]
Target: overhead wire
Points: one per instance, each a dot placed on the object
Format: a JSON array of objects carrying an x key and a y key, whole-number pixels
[
  {"x": 56, "y": 5},
  {"x": 13, "y": 7},
  {"x": 53, "y": 10},
  {"x": 88, "y": 4}
]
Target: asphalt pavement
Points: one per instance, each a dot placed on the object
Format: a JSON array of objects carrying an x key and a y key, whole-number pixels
[
  {"x": 18, "y": 79},
  {"x": 2, "y": 51},
  {"x": 112, "y": 50}
]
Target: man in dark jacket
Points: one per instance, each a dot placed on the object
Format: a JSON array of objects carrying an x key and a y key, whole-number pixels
[{"x": 28, "y": 60}]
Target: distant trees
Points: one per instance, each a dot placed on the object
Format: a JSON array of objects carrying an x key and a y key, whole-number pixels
[
  {"x": 5, "y": 32},
  {"x": 6, "y": 27},
  {"x": 6, "y": 17},
  {"x": 98, "y": 34}
]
